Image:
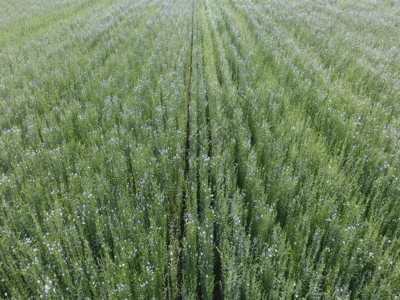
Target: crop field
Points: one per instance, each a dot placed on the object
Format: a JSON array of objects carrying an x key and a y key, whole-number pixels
[{"x": 201, "y": 149}]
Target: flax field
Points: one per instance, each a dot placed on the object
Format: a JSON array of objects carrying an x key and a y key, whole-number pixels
[{"x": 201, "y": 149}]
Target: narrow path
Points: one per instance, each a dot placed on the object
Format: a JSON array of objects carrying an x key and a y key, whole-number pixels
[
  {"x": 181, "y": 258},
  {"x": 218, "y": 290}
]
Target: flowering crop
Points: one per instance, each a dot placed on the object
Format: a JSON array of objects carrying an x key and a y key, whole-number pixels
[{"x": 238, "y": 149}]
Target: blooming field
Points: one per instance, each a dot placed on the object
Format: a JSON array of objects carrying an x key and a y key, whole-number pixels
[{"x": 238, "y": 149}]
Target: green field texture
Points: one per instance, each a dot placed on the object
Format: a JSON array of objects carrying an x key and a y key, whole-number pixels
[{"x": 203, "y": 149}]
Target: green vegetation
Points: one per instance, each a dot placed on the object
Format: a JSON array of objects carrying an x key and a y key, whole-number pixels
[{"x": 205, "y": 149}]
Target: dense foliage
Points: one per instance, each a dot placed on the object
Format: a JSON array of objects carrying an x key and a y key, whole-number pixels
[{"x": 205, "y": 149}]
